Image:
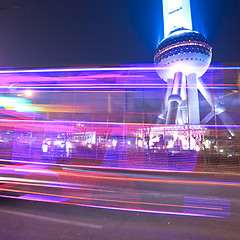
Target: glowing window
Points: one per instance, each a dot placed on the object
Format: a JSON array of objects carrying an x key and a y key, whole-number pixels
[{"x": 174, "y": 5}]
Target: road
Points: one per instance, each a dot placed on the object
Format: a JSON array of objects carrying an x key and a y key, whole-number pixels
[{"x": 133, "y": 205}]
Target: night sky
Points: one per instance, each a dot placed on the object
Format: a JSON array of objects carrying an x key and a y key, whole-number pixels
[{"x": 40, "y": 33}]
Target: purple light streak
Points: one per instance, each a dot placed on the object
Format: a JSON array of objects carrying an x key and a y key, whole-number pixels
[{"x": 47, "y": 70}]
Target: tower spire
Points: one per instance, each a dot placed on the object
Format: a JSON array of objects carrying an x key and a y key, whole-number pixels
[{"x": 177, "y": 15}]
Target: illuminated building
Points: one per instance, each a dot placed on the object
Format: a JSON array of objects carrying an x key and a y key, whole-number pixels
[{"x": 182, "y": 58}]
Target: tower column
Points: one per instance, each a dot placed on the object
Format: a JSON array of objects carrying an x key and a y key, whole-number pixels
[
  {"x": 174, "y": 100},
  {"x": 168, "y": 92},
  {"x": 193, "y": 101}
]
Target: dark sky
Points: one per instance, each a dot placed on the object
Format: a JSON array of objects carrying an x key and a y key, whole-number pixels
[{"x": 37, "y": 33}]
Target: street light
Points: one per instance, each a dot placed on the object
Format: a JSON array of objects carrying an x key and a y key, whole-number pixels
[{"x": 28, "y": 93}]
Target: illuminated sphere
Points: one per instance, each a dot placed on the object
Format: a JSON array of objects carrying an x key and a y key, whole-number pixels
[{"x": 183, "y": 51}]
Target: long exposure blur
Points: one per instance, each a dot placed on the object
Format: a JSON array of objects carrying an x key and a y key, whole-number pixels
[{"x": 63, "y": 131}]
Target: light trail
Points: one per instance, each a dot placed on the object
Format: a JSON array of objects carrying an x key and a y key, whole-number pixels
[
  {"x": 112, "y": 86},
  {"x": 152, "y": 211},
  {"x": 90, "y": 175},
  {"x": 97, "y": 69},
  {"x": 72, "y": 167},
  {"x": 108, "y": 200},
  {"x": 73, "y": 123}
]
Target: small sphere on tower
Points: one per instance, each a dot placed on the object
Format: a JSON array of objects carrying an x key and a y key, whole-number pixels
[{"x": 183, "y": 51}]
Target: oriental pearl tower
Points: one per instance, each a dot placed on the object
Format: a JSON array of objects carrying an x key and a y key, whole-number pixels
[{"x": 181, "y": 59}]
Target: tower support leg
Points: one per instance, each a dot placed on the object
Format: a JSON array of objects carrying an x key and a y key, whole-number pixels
[
  {"x": 193, "y": 101},
  {"x": 174, "y": 100}
]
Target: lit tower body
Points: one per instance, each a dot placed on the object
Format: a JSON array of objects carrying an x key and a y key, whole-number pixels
[{"x": 182, "y": 57}]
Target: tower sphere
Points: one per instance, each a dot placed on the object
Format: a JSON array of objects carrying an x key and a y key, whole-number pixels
[{"x": 183, "y": 51}]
